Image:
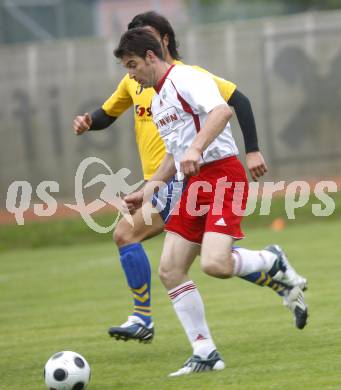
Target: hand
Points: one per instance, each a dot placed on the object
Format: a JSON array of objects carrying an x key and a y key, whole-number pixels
[
  {"x": 82, "y": 123},
  {"x": 256, "y": 165},
  {"x": 134, "y": 201},
  {"x": 189, "y": 164}
]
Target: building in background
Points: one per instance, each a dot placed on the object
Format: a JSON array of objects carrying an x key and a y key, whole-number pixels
[
  {"x": 44, "y": 20},
  {"x": 41, "y": 20}
]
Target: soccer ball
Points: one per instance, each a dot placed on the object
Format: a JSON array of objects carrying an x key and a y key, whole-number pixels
[{"x": 67, "y": 370}]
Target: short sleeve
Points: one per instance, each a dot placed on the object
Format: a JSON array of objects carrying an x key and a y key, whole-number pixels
[
  {"x": 226, "y": 88},
  {"x": 199, "y": 90}
]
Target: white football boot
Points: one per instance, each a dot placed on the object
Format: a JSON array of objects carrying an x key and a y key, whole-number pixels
[
  {"x": 287, "y": 274},
  {"x": 195, "y": 364},
  {"x": 294, "y": 300}
]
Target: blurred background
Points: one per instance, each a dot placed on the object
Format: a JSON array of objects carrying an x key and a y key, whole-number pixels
[
  {"x": 61, "y": 283},
  {"x": 56, "y": 62}
]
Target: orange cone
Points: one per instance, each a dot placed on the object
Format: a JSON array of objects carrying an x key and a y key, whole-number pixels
[{"x": 277, "y": 224}]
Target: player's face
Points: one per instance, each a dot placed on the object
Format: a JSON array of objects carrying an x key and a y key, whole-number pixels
[{"x": 140, "y": 69}]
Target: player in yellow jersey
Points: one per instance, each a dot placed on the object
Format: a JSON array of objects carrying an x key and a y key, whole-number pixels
[{"x": 286, "y": 282}]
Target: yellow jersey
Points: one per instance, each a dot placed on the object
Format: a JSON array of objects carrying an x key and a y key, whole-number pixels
[{"x": 150, "y": 145}]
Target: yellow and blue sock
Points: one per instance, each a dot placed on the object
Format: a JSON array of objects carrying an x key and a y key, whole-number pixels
[
  {"x": 136, "y": 267},
  {"x": 263, "y": 279}
]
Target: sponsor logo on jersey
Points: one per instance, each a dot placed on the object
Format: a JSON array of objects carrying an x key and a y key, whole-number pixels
[
  {"x": 142, "y": 111},
  {"x": 168, "y": 120}
]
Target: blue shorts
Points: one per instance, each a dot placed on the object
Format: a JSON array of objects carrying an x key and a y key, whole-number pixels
[{"x": 167, "y": 197}]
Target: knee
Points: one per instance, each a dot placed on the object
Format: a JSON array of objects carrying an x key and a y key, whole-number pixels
[
  {"x": 123, "y": 234},
  {"x": 217, "y": 268},
  {"x": 165, "y": 274},
  {"x": 169, "y": 277},
  {"x": 212, "y": 269}
]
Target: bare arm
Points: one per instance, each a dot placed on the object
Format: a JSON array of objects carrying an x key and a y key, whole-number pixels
[
  {"x": 215, "y": 124},
  {"x": 165, "y": 171}
]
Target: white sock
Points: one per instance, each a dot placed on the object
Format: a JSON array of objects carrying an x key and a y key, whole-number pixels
[
  {"x": 189, "y": 308},
  {"x": 247, "y": 261}
]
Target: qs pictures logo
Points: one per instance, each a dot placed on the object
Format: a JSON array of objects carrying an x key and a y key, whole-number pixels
[{"x": 114, "y": 185}]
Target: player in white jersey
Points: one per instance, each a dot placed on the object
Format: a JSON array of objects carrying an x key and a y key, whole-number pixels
[
  {"x": 193, "y": 121},
  {"x": 182, "y": 103}
]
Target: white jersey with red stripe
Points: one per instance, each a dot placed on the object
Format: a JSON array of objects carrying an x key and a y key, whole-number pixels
[{"x": 180, "y": 107}]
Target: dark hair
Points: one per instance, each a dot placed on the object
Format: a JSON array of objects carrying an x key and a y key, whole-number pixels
[
  {"x": 138, "y": 41},
  {"x": 162, "y": 25}
]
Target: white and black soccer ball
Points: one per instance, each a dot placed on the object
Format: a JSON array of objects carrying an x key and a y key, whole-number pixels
[{"x": 67, "y": 370}]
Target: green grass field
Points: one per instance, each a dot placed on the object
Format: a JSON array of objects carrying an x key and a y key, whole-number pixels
[{"x": 65, "y": 298}]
